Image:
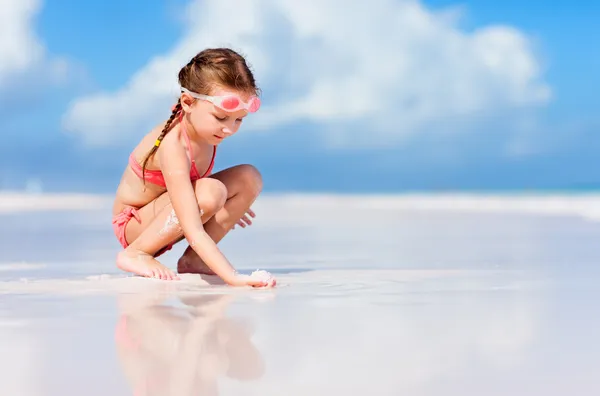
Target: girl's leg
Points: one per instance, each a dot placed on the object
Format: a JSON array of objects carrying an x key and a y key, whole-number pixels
[
  {"x": 159, "y": 228},
  {"x": 244, "y": 184}
]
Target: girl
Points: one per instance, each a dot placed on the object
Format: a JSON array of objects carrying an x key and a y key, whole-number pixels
[{"x": 167, "y": 192}]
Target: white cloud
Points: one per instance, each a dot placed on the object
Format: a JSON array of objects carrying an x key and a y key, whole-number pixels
[
  {"x": 395, "y": 66},
  {"x": 20, "y": 49}
]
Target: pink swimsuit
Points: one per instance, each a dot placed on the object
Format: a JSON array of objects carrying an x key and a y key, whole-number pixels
[{"x": 120, "y": 220}]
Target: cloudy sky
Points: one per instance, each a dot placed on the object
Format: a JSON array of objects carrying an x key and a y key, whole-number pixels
[{"x": 384, "y": 95}]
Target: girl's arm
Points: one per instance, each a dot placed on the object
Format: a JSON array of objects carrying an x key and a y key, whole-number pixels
[{"x": 175, "y": 168}]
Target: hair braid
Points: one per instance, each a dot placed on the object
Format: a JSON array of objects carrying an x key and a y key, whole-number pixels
[{"x": 167, "y": 127}]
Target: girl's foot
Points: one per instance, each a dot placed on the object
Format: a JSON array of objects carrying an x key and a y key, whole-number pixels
[
  {"x": 191, "y": 263},
  {"x": 143, "y": 264}
]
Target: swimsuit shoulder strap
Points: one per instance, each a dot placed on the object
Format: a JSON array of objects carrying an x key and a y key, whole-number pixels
[{"x": 186, "y": 137}]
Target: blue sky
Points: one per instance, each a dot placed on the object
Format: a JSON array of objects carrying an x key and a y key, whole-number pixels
[{"x": 478, "y": 95}]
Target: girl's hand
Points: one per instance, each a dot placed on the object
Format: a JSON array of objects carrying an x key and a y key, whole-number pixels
[
  {"x": 245, "y": 220},
  {"x": 256, "y": 279},
  {"x": 262, "y": 283},
  {"x": 265, "y": 277}
]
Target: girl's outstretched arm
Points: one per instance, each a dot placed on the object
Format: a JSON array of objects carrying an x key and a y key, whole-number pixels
[{"x": 175, "y": 167}]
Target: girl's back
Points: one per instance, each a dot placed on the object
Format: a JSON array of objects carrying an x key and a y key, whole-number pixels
[{"x": 131, "y": 190}]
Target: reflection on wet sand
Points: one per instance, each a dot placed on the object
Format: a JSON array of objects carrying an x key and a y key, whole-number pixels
[{"x": 179, "y": 351}]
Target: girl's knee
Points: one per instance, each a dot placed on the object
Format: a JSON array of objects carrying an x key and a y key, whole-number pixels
[
  {"x": 251, "y": 177},
  {"x": 211, "y": 195}
]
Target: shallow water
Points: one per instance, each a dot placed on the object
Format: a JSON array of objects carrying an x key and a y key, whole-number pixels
[{"x": 386, "y": 302}]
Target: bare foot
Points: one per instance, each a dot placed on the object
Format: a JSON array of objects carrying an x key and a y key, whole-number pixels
[
  {"x": 143, "y": 264},
  {"x": 190, "y": 263}
]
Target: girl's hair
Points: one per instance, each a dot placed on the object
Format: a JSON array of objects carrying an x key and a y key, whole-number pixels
[{"x": 209, "y": 68}]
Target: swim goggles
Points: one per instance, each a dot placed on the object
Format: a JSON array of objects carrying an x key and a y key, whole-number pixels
[{"x": 228, "y": 102}]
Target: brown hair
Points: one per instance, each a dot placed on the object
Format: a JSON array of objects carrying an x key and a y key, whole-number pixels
[{"x": 209, "y": 68}]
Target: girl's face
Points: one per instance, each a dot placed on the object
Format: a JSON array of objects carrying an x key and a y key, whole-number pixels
[{"x": 210, "y": 122}]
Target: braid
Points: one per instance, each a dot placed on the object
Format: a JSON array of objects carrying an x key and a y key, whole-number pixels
[{"x": 167, "y": 127}]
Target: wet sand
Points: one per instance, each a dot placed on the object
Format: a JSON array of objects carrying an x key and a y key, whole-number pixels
[{"x": 387, "y": 298}]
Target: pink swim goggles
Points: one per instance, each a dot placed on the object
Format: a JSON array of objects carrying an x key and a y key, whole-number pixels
[{"x": 228, "y": 102}]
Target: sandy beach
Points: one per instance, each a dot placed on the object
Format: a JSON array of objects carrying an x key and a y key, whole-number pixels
[{"x": 414, "y": 294}]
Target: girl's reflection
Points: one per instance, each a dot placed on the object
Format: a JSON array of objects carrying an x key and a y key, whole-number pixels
[{"x": 173, "y": 351}]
